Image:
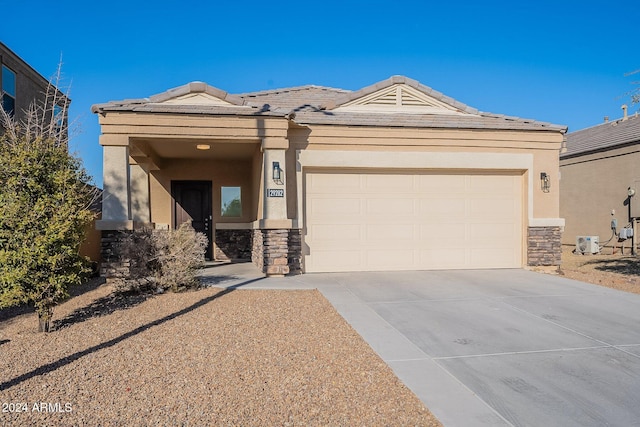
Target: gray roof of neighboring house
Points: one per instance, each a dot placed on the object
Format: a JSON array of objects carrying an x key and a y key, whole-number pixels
[
  {"x": 312, "y": 104},
  {"x": 603, "y": 136}
]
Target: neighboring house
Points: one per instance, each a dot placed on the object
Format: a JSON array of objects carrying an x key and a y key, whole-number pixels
[
  {"x": 599, "y": 167},
  {"x": 395, "y": 176},
  {"x": 21, "y": 87}
]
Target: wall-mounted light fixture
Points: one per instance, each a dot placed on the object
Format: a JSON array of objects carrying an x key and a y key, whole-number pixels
[
  {"x": 631, "y": 192},
  {"x": 277, "y": 173},
  {"x": 545, "y": 182},
  {"x": 203, "y": 147}
]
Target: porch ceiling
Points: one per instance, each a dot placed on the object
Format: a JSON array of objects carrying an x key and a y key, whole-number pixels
[{"x": 186, "y": 148}]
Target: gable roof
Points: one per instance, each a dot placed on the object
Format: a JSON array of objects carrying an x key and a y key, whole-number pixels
[
  {"x": 397, "y": 101},
  {"x": 196, "y": 89},
  {"x": 401, "y": 91},
  {"x": 192, "y": 98},
  {"x": 603, "y": 136}
]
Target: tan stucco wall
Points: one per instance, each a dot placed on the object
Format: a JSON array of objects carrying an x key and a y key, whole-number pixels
[
  {"x": 544, "y": 148},
  {"x": 593, "y": 185},
  {"x": 91, "y": 245},
  {"x": 190, "y": 126},
  {"x": 220, "y": 173}
]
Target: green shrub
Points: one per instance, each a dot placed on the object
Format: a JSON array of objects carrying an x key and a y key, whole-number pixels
[{"x": 44, "y": 200}]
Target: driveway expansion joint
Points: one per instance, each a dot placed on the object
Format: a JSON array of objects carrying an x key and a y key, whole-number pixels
[{"x": 511, "y": 353}]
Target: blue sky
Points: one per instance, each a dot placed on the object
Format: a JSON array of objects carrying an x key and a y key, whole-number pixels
[{"x": 557, "y": 61}]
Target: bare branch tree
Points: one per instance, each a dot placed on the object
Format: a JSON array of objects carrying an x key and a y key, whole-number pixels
[{"x": 634, "y": 94}]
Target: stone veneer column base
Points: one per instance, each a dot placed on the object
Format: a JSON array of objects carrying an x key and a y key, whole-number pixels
[
  {"x": 277, "y": 252},
  {"x": 257, "y": 249},
  {"x": 112, "y": 265},
  {"x": 544, "y": 246},
  {"x": 232, "y": 245},
  {"x": 295, "y": 251}
]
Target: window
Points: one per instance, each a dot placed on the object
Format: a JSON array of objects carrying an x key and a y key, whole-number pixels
[
  {"x": 58, "y": 117},
  {"x": 231, "y": 205},
  {"x": 8, "y": 90}
]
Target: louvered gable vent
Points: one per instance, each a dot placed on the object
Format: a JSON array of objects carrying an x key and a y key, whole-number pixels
[{"x": 399, "y": 98}]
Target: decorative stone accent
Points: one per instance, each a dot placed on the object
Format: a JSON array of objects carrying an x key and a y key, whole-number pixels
[
  {"x": 257, "y": 249},
  {"x": 544, "y": 246},
  {"x": 233, "y": 245},
  {"x": 112, "y": 266},
  {"x": 295, "y": 251},
  {"x": 276, "y": 252}
]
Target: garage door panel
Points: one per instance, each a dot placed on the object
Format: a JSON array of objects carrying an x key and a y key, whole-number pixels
[
  {"x": 443, "y": 258},
  {"x": 327, "y": 183},
  {"x": 380, "y": 260},
  {"x": 412, "y": 221},
  {"x": 441, "y": 232},
  {"x": 441, "y": 184},
  {"x": 333, "y": 232},
  {"x": 339, "y": 260},
  {"x": 490, "y": 232},
  {"x": 494, "y": 207},
  {"x": 389, "y": 183},
  {"x": 403, "y": 233},
  {"x": 480, "y": 184},
  {"x": 389, "y": 206},
  {"x": 444, "y": 208},
  {"x": 332, "y": 206}
]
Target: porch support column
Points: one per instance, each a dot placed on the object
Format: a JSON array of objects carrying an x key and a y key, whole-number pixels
[
  {"x": 116, "y": 205},
  {"x": 116, "y": 198},
  {"x": 271, "y": 238},
  {"x": 139, "y": 178},
  {"x": 275, "y": 197}
]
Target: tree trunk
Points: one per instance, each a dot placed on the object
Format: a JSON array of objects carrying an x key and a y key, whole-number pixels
[{"x": 44, "y": 320}]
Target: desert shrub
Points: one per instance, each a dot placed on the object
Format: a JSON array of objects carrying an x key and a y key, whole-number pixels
[
  {"x": 138, "y": 249},
  {"x": 179, "y": 254},
  {"x": 163, "y": 259}
]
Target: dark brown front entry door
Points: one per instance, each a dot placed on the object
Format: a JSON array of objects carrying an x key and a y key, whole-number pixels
[{"x": 192, "y": 203}]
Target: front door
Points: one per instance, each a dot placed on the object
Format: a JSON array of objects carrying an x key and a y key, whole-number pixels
[{"x": 192, "y": 203}]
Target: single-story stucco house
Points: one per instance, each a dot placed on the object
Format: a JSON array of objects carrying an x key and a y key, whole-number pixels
[
  {"x": 600, "y": 176},
  {"x": 394, "y": 176}
]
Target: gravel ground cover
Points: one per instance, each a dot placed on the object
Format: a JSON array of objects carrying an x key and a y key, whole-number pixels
[
  {"x": 613, "y": 270},
  {"x": 209, "y": 357}
]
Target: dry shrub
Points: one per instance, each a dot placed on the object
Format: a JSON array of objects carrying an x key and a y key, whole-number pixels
[{"x": 162, "y": 260}]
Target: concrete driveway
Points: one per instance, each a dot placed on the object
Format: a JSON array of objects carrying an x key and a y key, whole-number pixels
[{"x": 494, "y": 347}]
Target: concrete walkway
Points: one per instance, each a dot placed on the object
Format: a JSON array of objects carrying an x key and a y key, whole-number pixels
[{"x": 490, "y": 347}]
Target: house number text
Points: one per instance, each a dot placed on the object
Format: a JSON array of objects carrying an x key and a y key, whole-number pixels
[{"x": 275, "y": 192}]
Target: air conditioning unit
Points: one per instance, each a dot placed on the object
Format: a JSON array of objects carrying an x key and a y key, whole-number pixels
[{"x": 587, "y": 244}]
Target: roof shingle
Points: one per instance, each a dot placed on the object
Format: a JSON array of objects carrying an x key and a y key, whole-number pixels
[{"x": 603, "y": 136}]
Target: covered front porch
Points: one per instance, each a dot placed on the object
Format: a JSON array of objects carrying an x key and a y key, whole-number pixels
[{"x": 227, "y": 175}]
